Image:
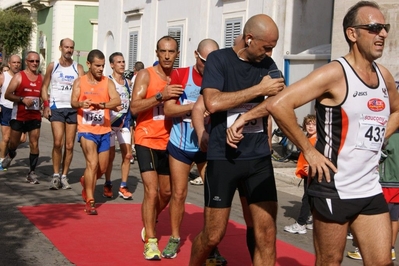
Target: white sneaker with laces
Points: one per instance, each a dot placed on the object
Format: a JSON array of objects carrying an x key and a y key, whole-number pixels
[{"x": 295, "y": 229}]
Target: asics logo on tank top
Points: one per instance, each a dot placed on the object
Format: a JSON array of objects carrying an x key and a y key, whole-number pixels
[{"x": 360, "y": 93}]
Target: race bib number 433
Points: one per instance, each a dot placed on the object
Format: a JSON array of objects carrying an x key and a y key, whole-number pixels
[
  {"x": 253, "y": 126},
  {"x": 371, "y": 132}
]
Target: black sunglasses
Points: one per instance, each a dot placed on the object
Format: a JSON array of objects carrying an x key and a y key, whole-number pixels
[
  {"x": 33, "y": 61},
  {"x": 374, "y": 28}
]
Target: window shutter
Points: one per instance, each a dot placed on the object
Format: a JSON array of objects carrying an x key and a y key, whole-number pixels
[
  {"x": 176, "y": 33},
  {"x": 232, "y": 30},
  {"x": 133, "y": 41}
]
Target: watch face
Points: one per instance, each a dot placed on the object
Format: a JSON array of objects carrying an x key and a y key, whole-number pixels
[{"x": 158, "y": 96}]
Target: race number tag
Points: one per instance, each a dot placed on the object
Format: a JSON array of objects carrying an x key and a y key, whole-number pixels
[
  {"x": 93, "y": 117},
  {"x": 253, "y": 126},
  {"x": 125, "y": 105},
  {"x": 64, "y": 88},
  {"x": 35, "y": 105},
  {"x": 371, "y": 132},
  {"x": 158, "y": 113},
  {"x": 187, "y": 116}
]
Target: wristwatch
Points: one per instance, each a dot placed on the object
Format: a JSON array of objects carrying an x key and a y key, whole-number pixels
[
  {"x": 21, "y": 99},
  {"x": 158, "y": 96}
]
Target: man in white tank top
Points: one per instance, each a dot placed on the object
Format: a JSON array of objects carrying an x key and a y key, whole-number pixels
[
  {"x": 354, "y": 98},
  {"x": 57, "y": 108},
  {"x": 14, "y": 63}
]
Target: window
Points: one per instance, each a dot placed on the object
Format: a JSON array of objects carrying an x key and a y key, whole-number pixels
[
  {"x": 133, "y": 41},
  {"x": 176, "y": 32},
  {"x": 232, "y": 30}
]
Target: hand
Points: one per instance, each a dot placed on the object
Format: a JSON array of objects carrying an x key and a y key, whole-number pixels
[
  {"x": 29, "y": 102},
  {"x": 271, "y": 87},
  {"x": 234, "y": 133},
  {"x": 319, "y": 164},
  {"x": 118, "y": 108},
  {"x": 47, "y": 112},
  {"x": 86, "y": 104},
  {"x": 172, "y": 91}
]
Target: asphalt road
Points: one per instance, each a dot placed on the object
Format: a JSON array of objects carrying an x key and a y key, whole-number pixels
[{"x": 23, "y": 244}]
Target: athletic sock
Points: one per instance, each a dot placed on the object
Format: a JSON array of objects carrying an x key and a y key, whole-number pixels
[
  {"x": 33, "y": 161},
  {"x": 123, "y": 184},
  {"x": 63, "y": 176},
  {"x": 108, "y": 183}
]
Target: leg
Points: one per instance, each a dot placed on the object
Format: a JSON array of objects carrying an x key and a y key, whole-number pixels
[
  {"x": 150, "y": 202},
  {"x": 34, "y": 147},
  {"x": 215, "y": 223},
  {"x": 5, "y": 133},
  {"x": 375, "y": 248},
  {"x": 126, "y": 151},
  {"x": 250, "y": 227},
  {"x": 164, "y": 192},
  {"x": 329, "y": 240},
  {"x": 110, "y": 164},
  {"x": 264, "y": 221},
  {"x": 90, "y": 174},
  {"x": 178, "y": 175},
  {"x": 58, "y": 129},
  {"x": 70, "y": 133}
]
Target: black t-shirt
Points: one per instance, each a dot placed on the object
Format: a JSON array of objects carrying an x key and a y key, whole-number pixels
[{"x": 226, "y": 72}]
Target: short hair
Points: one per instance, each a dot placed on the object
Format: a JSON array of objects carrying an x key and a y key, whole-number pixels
[
  {"x": 307, "y": 119},
  {"x": 32, "y": 52},
  {"x": 112, "y": 56},
  {"x": 138, "y": 66},
  {"x": 62, "y": 40},
  {"x": 350, "y": 18},
  {"x": 95, "y": 54},
  {"x": 168, "y": 38}
]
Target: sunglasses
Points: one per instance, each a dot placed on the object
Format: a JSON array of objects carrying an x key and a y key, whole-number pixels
[
  {"x": 374, "y": 28},
  {"x": 33, "y": 61},
  {"x": 203, "y": 60}
]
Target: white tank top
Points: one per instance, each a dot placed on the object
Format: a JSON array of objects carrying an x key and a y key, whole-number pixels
[
  {"x": 4, "y": 102},
  {"x": 61, "y": 85}
]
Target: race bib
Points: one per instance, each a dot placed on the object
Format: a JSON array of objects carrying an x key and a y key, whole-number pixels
[
  {"x": 253, "y": 126},
  {"x": 371, "y": 132},
  {"x": 158, "y": 113},
  {"x": 125, "y": 106},
  {"x": 93, "y": 117},
  {"x": 187, "y": 116},
  {"x": 64, "y": 88},
  {"x": 35, "y": 105}
]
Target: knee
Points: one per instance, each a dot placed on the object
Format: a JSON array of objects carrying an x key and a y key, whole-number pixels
[
  {"x": 128, "y": 156},
  {"x": 165, "y": 193},
  {"x": 57, "y": 145},
  {"x": 69, "y": 147},
  {"x": 212, "y": 237},
  {"x": 179, "y": 195}
]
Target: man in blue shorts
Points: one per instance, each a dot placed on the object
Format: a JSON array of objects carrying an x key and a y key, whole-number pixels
[
  {"x": 229, "y": 91},
  {"x": 57, "y": 108},
  {"x": 14, "y": 64},
  {"x": 183, "y": 145}
]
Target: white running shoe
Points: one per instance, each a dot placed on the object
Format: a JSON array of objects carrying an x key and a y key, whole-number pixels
[{"x": 295, "y": 228}]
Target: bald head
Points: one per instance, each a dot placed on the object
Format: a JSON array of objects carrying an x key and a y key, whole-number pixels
[
  {"x": 207, "y": 45},
  {"x": 261, "y": 26}
]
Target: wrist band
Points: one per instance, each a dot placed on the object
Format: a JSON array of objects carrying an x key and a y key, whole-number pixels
[{"x": 46, "y": 104}]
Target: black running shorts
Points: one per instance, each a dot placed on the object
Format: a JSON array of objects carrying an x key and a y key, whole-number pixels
[
  {"x": 152, "y": 160},
  {"x": 223, "y": 178}
]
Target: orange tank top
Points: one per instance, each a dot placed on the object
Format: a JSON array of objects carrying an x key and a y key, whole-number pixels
[
  {"x": 152, "y": 128},
  {"x": 95, "y": 121}
]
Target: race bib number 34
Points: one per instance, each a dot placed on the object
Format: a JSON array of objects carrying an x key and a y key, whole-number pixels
[{"x": 371, "y": 132}]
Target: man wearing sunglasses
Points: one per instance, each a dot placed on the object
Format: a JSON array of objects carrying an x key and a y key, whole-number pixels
[
  {"x": 57, "y": 108},
  {"x": 25, "y": 91},
  {"x": 235, "y": 80},
  {"x": 354, "y": 96}
]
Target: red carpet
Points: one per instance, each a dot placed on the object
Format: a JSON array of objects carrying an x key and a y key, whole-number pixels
[{"x": 113, "y": 236}]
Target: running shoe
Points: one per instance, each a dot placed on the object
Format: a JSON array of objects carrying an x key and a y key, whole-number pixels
[
  {"x": 393, "y": 253},
  {"x": 295, "y": 228},
  {"x": 309, "y": 223},
  {"x": 151, "y": 251},
  {"x": 91, "y": 207},
  {"x": 125, "y": 193},
  {"x": 64, "y": 183},
  {"x": 32, "y": 178},
  {"x": 349, "y": 236},
  {"x": 82, "y": 182},
  {"x": 197, "y": 181},
  {"x": 107, "y": 191},
  {"x": 215, "y": 258},
  {"x": 55, "y": 183},
  {"x": 1, "y": 166},
  {"x": 7, "y": 161},
  {"x": 170, "y": 251},
  {"x": 355, "y": 254}
]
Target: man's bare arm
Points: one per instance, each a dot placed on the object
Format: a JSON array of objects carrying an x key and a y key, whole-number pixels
[
  {"x": 393, "y": 121},
  {"x": 46, "y": 81},
  {"x": 197, "y": 117},
  {"x": 216, "y": 101}
]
